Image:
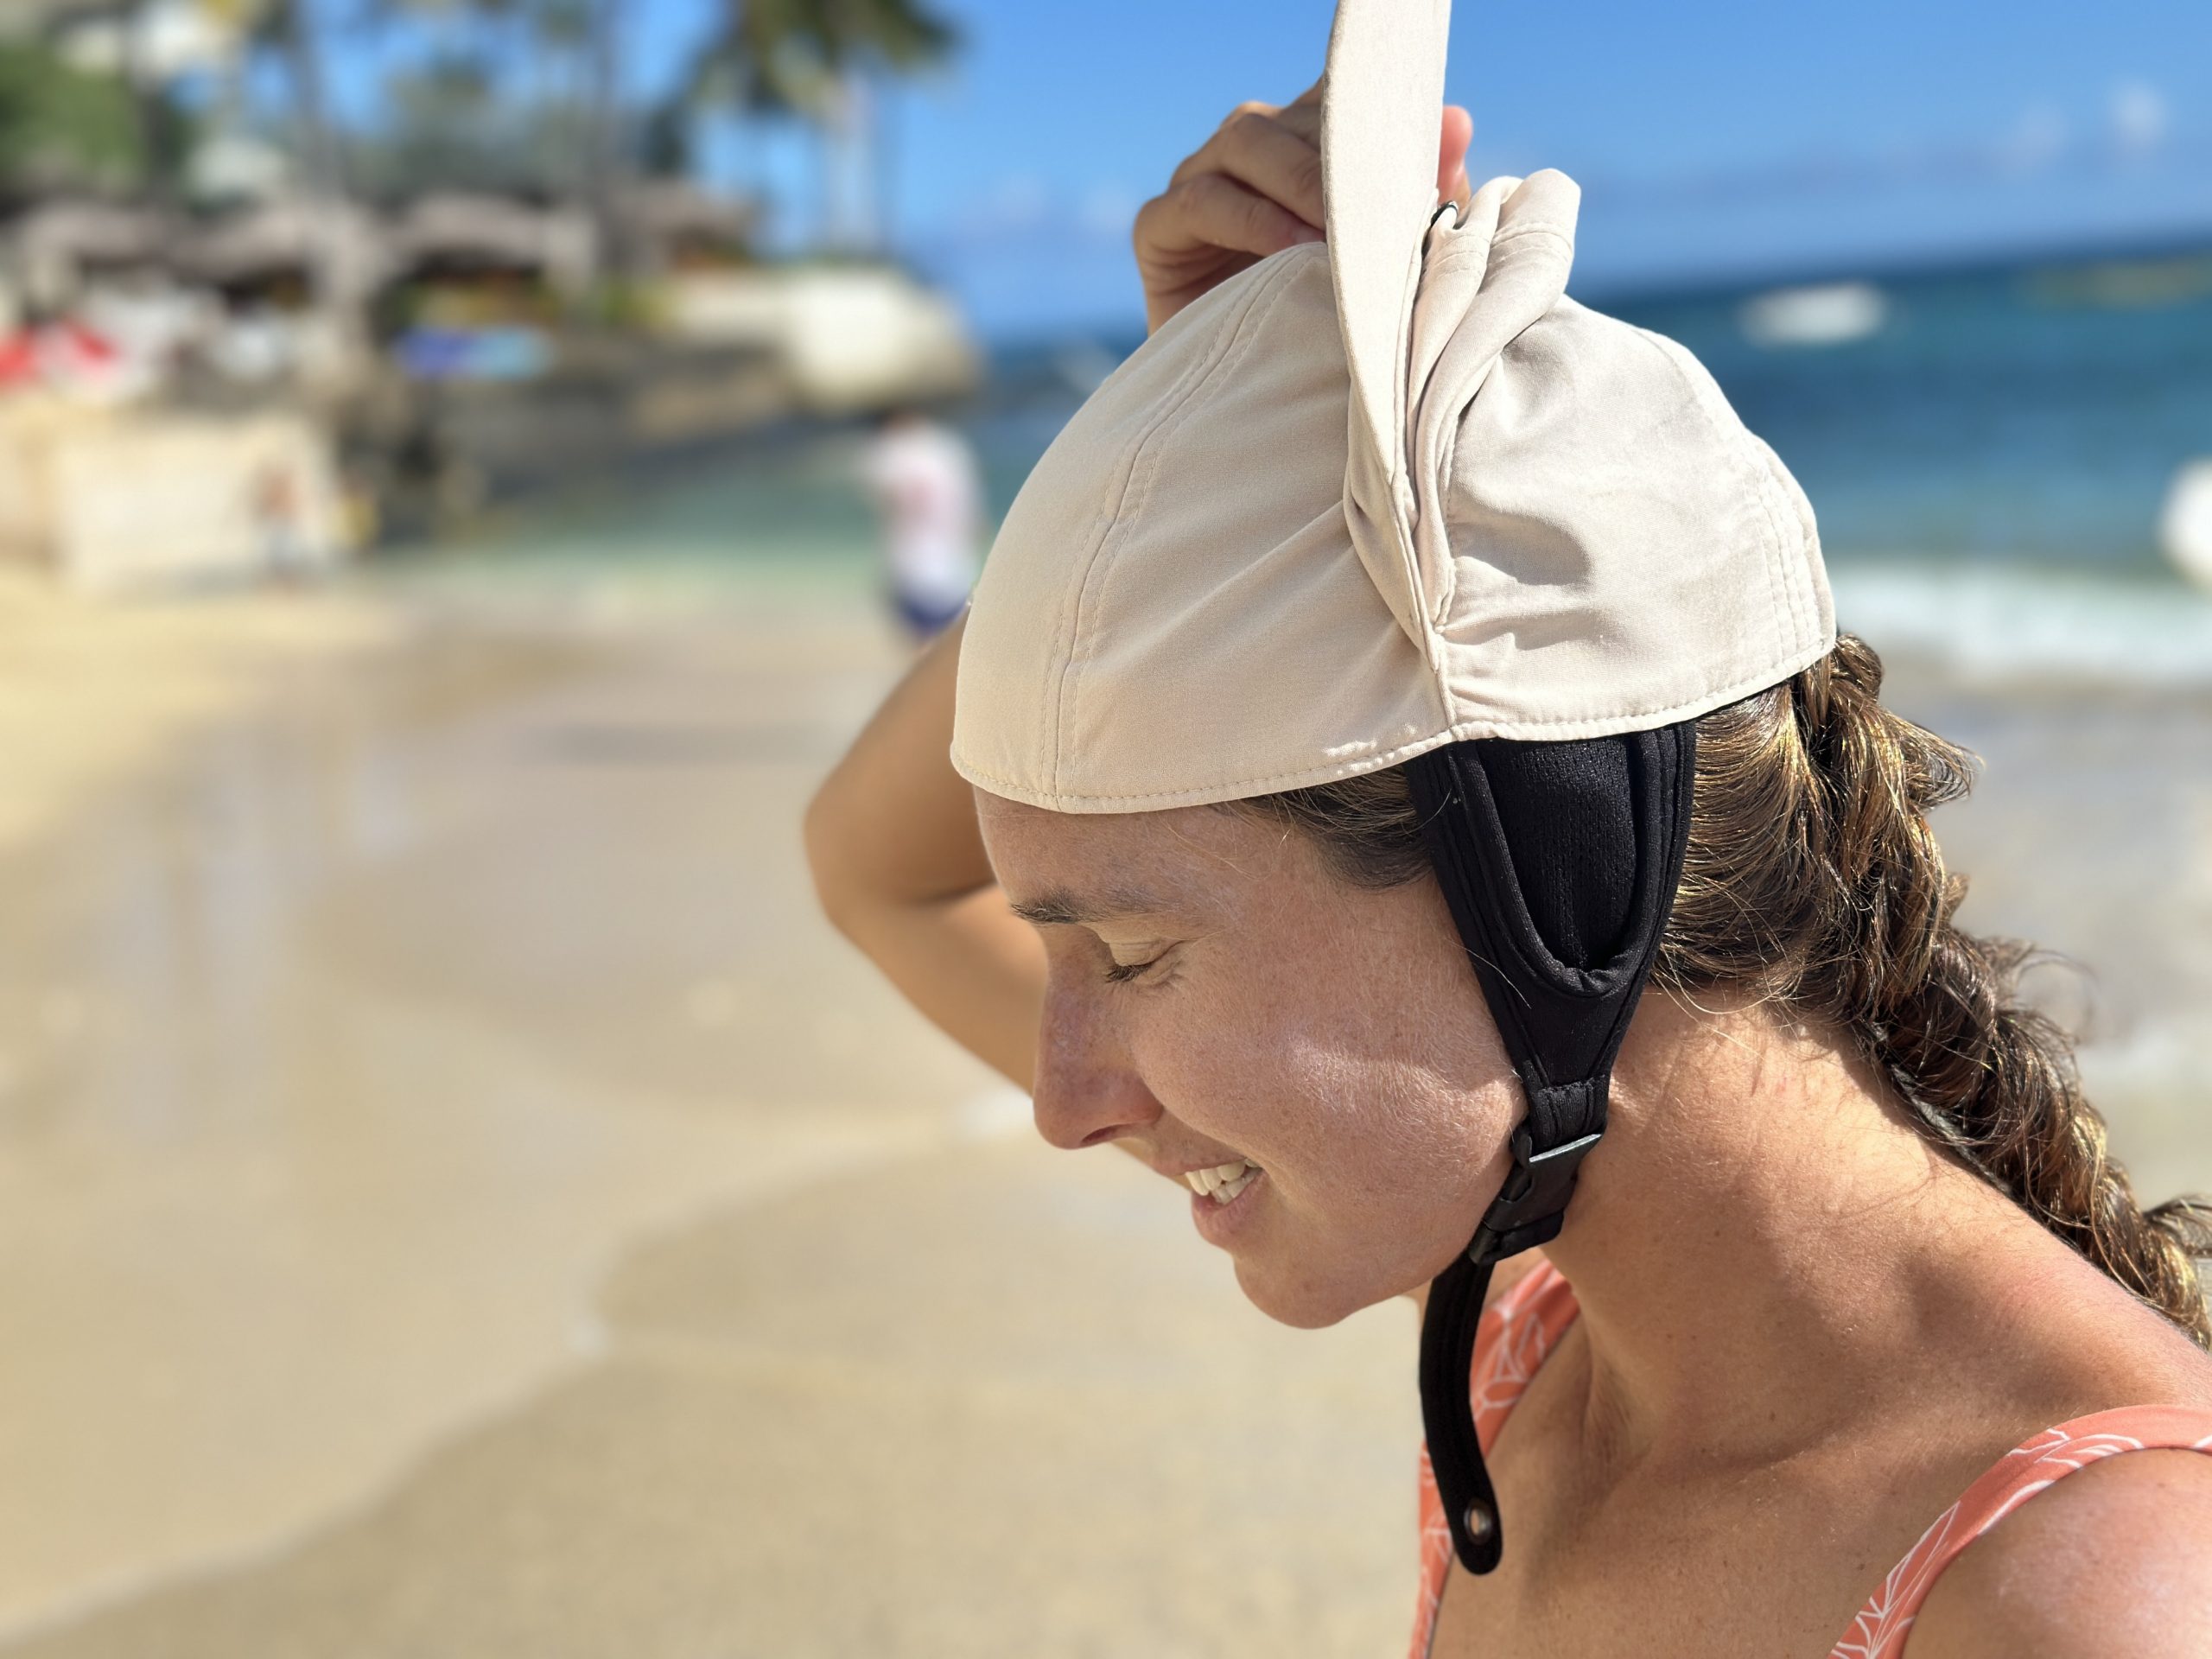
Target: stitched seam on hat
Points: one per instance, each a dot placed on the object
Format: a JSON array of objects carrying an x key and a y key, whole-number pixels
[
  {"x": 1781, "y": 505},
  {"x": 1258, "y": 785},
  {"x": 1784, "y": 599},
  {"x": 1776, "y": 602},
  {"x": 1144, "y": 454},
  {"x": 1704, "y": 701},
  {"x": 1533, "y": 228},
  {"x": 1417, "y": 271},
  {"x": 1454, "y": 259},
  {"x": 1768, "y": 492},
  {"x": 1451, "y": 595},
  {"x": 1737, "y": 667},
  {"x": 1785, "y": 590},
  {"x": 1065, "y": 628}
]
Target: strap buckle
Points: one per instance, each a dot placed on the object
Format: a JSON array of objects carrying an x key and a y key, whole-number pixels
[{"x": 1530, "y": 1207}]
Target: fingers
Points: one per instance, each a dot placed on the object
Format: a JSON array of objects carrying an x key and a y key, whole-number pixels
[
  {"x": 1258, "y": 151},
  {"x": 1211, "y": 210},
  {"x": 1254, "y": 189},
  {"x": 1275, "y": 151},
  {"x": 1302, "y": 115},
  {"x": 1458, "y": 132}
]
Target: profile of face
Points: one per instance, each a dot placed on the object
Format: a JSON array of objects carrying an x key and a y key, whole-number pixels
[{"x": 1216, "y": 993}]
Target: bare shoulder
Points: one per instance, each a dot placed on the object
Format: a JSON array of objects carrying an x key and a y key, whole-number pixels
[{"x": 2115, "y": 1561}]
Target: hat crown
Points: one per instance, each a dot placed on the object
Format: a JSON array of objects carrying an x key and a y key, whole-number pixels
[{"x": 1379, "y": 494}]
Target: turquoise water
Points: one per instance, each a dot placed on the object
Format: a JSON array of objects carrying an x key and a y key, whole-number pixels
[
  {"x": 2004, "y": 415},
  {"x": 1988, "y": 460}
]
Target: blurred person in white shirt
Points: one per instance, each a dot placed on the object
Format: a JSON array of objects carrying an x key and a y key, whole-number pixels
[{"x": 923, "y": 479}]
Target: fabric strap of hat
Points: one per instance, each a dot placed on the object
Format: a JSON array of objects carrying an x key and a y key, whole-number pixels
[{"x": 1559, "y": 862}]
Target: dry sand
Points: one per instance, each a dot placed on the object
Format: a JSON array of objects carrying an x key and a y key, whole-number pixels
[{"x": 456, "y": 1200}]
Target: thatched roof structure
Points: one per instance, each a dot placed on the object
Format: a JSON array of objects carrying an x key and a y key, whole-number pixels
[
  {"x": 453, "y": 230},
  {"x": 51, "y": 248},
  {"x": 343, "y": 249}
]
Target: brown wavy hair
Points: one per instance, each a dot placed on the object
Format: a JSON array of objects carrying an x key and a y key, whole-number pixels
[{"x": 1813, "y": 881}]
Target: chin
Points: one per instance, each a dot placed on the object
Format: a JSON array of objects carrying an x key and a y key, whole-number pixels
[{"x": 1304, "y": 1306}]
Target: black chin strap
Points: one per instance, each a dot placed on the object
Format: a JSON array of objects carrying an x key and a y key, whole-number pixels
[{"x": 1558, "y": 862}]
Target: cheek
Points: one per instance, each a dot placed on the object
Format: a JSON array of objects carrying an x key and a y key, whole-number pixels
[{"x": 1354, "y": 1092}]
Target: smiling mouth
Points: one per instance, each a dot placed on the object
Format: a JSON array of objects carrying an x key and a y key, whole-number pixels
[{"x": 1222, "y": 1182}]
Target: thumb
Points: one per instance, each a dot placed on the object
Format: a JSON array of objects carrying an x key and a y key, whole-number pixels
[{"x": 1456, "y": 133}]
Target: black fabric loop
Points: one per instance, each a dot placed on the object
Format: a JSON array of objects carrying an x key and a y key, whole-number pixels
[{"x": 1559, "y": 863}]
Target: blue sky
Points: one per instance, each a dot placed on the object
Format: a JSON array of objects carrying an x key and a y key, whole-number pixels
[{"x": 1714, "y": 138}]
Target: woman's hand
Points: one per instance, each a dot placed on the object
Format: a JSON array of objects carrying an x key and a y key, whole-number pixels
[{"x": 1252, "y": 190}]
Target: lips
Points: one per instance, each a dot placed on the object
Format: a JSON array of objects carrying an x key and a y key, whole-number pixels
[{"x": 1222, "y": 1182}]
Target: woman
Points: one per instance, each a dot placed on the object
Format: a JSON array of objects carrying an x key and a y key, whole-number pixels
[{"x": 1849, "y": 1279}]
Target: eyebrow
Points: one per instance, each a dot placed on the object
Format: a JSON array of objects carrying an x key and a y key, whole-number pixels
[{"x": 1063, "y": 909}]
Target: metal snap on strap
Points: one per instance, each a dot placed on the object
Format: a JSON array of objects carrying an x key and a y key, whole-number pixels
[{"x": 1480, "y": 1522}]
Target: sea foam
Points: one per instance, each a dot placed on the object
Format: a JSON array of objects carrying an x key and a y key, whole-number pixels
[{"x": 2009, "y": 622}]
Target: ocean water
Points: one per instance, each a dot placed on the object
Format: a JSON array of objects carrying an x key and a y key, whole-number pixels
[
  {"x": 1990, "y": 416},
  {"x": 1987, "y": 451}
]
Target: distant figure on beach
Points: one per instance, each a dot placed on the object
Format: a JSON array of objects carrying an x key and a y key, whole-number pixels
[
  {"x": 922, "y": 477},
  {"x": 277, "y": 515}
]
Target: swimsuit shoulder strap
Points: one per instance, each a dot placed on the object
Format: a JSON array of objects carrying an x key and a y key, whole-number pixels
[
  {"x": 1887, "y": 1620},
  {"x": 1517, "y": 1332},
  {"x": 1517, "y": 1329}
]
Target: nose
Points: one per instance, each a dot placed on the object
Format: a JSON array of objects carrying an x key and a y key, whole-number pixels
[{"x": 1085, "y": 1091}]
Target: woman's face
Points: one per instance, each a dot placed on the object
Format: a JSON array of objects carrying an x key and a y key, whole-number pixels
[{"x": 1215, "y": 994}]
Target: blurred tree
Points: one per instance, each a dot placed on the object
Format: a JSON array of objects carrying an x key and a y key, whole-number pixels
[
  {"x": 63, "y": 128},
  {"x": 824, "y": 61},
  {"x": 292, "y": 32},
  {"x": 510, "y": 94}
]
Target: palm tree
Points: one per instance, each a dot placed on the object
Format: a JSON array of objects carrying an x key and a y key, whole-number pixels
[
  {"x": 818, "y": 60},
  {"x": 288, "y": 30}
]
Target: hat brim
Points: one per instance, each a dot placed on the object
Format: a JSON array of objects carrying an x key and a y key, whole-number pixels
[{"x": 1381, "y": 107}]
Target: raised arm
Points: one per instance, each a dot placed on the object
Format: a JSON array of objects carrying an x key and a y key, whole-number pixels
[
  {"x": 891, "y": 835},
  {"x": 899, "y": 869}
]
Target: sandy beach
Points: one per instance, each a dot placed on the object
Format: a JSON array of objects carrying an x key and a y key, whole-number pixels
[{"x": 457, "y": 1198}]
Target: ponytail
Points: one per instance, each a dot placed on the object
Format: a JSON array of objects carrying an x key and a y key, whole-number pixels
[{"x": 1814, "y": 879}]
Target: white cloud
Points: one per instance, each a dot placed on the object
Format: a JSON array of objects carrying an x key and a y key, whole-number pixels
[{"x": 2139, "y": 117}]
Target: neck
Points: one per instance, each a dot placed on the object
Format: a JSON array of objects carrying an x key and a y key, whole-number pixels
[{"x": 1763, "y": 1225}]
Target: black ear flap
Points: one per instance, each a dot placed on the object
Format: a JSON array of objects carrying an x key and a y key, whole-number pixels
[{"x": 1558, "y": 862}]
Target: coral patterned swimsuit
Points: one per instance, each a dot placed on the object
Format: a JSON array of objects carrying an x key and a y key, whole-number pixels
[{"x": 1521, "y": 1326}]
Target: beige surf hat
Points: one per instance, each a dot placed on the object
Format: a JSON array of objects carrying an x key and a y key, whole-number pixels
[{"x": 1378, "y": 494}]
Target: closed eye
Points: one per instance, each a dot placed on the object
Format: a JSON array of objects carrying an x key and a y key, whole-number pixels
[{"x": 1131, "y": 972}]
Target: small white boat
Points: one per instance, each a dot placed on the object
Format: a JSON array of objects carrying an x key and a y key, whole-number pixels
[
  {"x": 1827, "y": 313},
  {"x": 2185, "y": 523}
]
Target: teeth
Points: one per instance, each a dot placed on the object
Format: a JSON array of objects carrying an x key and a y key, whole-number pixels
[{"x": 1223, "y": 1181}]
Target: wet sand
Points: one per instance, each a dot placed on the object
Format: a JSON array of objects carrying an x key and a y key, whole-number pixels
[{"x": 456, "y": 1200}]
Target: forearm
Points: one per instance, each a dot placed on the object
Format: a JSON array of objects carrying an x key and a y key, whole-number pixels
[{"x": 900, "y": 870}]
